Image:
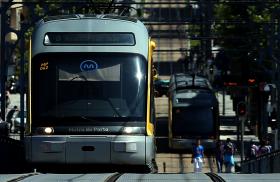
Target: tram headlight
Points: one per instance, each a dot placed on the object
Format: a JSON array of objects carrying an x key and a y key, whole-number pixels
[
  {"x": 48, "y": 130},
  {"x": 131, "y": 130},
  {"x": 127, "y": 130}
]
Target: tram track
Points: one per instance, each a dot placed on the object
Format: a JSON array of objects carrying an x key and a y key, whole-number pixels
[
  {"x": 215, "y": 177},
  {"x": 22, "y": 177},
  {"x": 114, "y": 177}
]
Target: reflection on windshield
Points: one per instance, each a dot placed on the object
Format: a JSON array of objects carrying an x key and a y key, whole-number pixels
[
  {"x": 95, "y": 108},
  {"x": 111, "y": 73}
]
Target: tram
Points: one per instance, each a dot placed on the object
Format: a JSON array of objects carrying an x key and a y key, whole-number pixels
[
  {"x": 193, "y": 112},
  {"x": 90, "y": 92}
]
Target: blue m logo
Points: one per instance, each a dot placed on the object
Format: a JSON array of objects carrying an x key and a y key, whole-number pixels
[{"x": 88, "y": 65}]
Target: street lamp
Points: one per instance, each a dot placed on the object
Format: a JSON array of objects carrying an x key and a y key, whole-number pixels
[{"x": 242, "y": 112}]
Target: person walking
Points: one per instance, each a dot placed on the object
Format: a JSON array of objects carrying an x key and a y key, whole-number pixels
[
  {"x": 198, "y": 156},
  {"x": 229, "y": 150},
  {"x": 219, "y": 152},
  {"x": 252, "y": 154},
  {"x": 252, "y": 151},
  {"x": 9, "y": 118},
  {"x": 4, "y": 128},
  {"x": 264, "y": 147},
  {"x": 8, "y": 100}
]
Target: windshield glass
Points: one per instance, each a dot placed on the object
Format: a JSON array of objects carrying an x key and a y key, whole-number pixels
[
  {"x": 102, "y": 87},
  {"x": 199, "y": 121},
  {"x": 196, "y": 110}
]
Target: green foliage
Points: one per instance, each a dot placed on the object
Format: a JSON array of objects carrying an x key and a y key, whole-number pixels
[{"x": 247, "y": 29}]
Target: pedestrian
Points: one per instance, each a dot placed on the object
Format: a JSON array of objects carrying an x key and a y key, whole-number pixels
[
  {"x": 4, "y": 128},
  {"x": 252, "y": 151},
  {"x": 219, "y": 152},
  {"x": 264, "y": 147},
  {"x": 252, "y": 154},
  {"x": 268, "y": 145},
  {"x": 198, "y": 156},
  {"x": 9, "y": 117},
  {"x": 229, "y": 150},
  {"x": 8, "y": 100}
]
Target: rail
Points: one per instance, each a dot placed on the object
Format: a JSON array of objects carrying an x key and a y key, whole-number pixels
[
  {"x": 267, "y": 163},
  {"x": 215, "y": 177},
  {"x": 114, "y": 177}
]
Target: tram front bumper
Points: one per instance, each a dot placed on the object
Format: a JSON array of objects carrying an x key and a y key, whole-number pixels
[{"x": 135, "y": 150}]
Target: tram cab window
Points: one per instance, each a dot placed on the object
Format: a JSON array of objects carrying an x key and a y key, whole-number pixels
[{"x": 104, "y": 86}]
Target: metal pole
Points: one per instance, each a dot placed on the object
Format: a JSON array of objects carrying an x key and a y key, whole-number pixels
[
  {"x": 3, "y": 64},
  {"x": 238, "y": 129},
  {"x": 276, "y": 140},
  {"x": 224, "y": 102},
  {"x": 22, "y": 83},
  {"x": 208, "y": 42},
  {"x": 242, "y": 138}
]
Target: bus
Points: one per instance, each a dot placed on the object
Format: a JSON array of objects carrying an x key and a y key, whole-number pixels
[
  {"x": 193, "y": 112},
  {"x": 90, "y": 96}
]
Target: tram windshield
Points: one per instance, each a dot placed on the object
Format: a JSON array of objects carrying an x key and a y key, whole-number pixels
[
  {"x": 96, "y": 86},
  {"x": 199, "y": 121},
  {"x": 196, "y": 111}
]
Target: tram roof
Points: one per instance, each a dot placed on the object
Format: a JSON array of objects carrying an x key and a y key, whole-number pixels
[{"x": 90, "y": 23}]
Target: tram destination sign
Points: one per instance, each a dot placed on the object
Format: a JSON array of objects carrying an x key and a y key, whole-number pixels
[{"x": 89, "y": 38}]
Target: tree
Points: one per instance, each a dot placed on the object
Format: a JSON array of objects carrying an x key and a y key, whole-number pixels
[{"x": 245, "y": 30}]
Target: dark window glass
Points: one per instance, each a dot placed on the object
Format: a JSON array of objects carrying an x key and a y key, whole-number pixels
[
  {"x": 89, "y": 38},
  {"x": 193, "y": 121},
  {"x": 90, "y": 86},
  {"x": 195, "y": 114}
]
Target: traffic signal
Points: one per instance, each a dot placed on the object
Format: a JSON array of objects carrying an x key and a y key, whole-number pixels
[
  {"x": 251, "y": 82},
  {"x": 241, "y": 109}
]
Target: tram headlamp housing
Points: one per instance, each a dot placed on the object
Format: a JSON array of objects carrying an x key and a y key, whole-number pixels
[
  {"x": 131, "y": 130},
  {"x": 127, "y": 130},
  {"x": 48, "y": 130}
]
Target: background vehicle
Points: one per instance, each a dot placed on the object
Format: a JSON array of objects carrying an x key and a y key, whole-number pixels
[
  {"x": 161, "y": 87},
  {"x": 193, "y": 112},
  {"x": 94, "y": 79}
]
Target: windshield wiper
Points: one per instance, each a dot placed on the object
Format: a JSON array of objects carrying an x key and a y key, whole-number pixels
[
  {"x": 88, "y": 119},
  {"x": 80, "y": 77},
  {"x": 113, "y": 107},
  {"x": 80, "y": 117}
]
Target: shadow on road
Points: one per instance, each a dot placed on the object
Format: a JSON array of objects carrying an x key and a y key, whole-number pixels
[{"x": 12, "y": 156}]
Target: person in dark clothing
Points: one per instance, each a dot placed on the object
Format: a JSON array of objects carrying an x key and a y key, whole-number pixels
[
  {"x": 8, "y": 100},
  {"x": 252, "y": 151},
  {"x": 219, "y": 151},
  {"x": 10, "y": 115},
  {"x": 4, "y": 128},
  {"x": 264, "y": 147}
]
